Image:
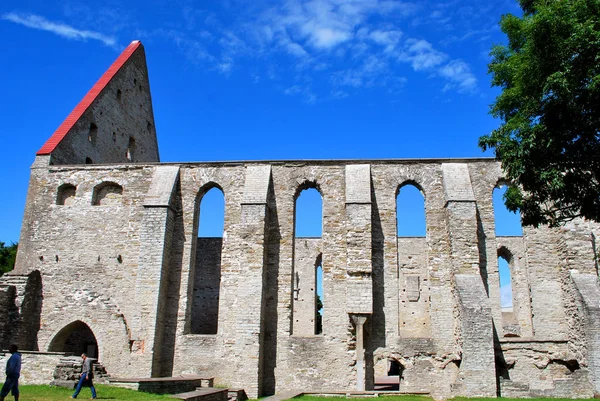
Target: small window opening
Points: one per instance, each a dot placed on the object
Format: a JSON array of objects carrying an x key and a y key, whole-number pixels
[
  {"x": 119, "y": 94},
  {"x": 93, "y": 133},
  {"x": 66, "y": 195},
  {"x": 130, "y": 149},
  {"x": 319, "y": 300},
  {"x": 149, "y": 126},
  {"x": 88, "y": 160},
  {"x": 114, "y": 137},
  {"x": 107, "y": 193}
]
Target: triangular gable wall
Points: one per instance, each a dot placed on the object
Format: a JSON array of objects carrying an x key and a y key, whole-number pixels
[{"x": 114, "y": 122}]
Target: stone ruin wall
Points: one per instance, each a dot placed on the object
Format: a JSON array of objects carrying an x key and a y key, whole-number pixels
[
  {"x": 131, "y": 268},
  {"x": 115, "y": 248}
]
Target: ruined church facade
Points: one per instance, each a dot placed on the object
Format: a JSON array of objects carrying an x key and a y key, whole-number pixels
[{"x": 110, "y": 263}]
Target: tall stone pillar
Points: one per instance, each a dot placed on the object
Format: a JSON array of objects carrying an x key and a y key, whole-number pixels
[
  {"x": 246, "y": 336},
  {"x": 477, "y": 376},
  {"x": 359, "y": 294},
  {"x": 152, "y": 274},
  {"x": 359, "y": 290},
  {"x": 359, "y": 322}
]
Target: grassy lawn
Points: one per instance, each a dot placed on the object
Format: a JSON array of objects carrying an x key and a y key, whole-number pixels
[{"x": 47, "y": 393}]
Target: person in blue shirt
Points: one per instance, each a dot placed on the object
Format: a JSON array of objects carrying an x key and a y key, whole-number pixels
[
  {"x": 85, "y": 377},
  {"x": 13, "y": 372}
]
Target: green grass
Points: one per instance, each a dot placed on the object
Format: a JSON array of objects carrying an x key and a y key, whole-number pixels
[{"x": 48, "y": 393}]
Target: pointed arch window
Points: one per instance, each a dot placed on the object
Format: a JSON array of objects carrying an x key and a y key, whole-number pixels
[
  {"x": 307, "y": 280},
  {"x": 410, "y": 211},
  {"x": 207, "y": 272}
]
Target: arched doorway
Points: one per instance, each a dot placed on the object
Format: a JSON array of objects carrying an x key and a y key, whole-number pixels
[{"x": 77, "y": 338}]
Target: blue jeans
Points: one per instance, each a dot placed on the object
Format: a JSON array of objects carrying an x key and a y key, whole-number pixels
[
  {"x": 10, "y": 385},
  {"x": 82, "y": 381}
]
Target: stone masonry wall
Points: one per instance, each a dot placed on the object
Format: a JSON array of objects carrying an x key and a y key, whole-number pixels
[{"x": 131, "y": 269}]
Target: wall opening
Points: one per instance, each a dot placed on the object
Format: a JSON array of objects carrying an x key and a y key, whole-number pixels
[
  {"x": 511, "y": 322},
  {"x": 207, "y": 273},
  {"x": 319, "y": 298},
  {"x": 410, "y": 211},
  {"x": 506, "y": 294},
  {"x": 93, "y": 133},
  {"x": 307, "y": 279},
  {"x": 130, "y": 149},
  {"x": 65, "y": 195},
  {"x": 76, "y": 338},
  {"x": 507, "y": 223},
  {"x": 107, "y": 193},
  {"x": 309, "y": 214},
  {"x": 388, "y": 373},
  {"x": 88, "y": 160}
]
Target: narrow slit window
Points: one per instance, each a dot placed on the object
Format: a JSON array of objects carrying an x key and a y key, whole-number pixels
[{"x": 93, "y": 133}]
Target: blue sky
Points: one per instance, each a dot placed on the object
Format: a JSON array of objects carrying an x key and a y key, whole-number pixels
[{"x": 247, "y": 80}]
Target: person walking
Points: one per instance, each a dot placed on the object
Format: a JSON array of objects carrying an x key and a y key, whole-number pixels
[
  {"x": 13, "y": 371},
  {"x": 85, "y": 378}
]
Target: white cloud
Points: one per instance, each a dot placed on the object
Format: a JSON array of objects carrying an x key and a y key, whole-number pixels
[
  {"x": 421, "y": 55},
  {"x": 326, "y": 38},
  {"x": 386, "y": 38},
  {"x": 460, "y": 76},
  {"x": 326, "y": 24},
  {"x": 304, "y": 92},
  {"x": 38, "y": 22},
  {"x": 296, "y": 50}
]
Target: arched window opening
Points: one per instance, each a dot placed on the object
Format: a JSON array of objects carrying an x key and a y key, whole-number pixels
[
  {"x": 309, "y": 214},
  {"x": 507, "y": 223},
  {"x": 319, "y": 298},
  {"x": 307, "y": 279},
  {"x": 410, "y": 212},
  {"x": 207, "y": 273},
  {"x": 76, "y": 338},
  {"x": 107, "y": 193},
  {"x": 93, "y": 133},
  {"x": 211, "y": 218},
  {"x": 65, "y": 195},
  {"x": 130, "y": 149}
]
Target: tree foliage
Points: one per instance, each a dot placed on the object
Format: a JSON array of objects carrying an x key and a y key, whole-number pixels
[
  {"x": 549, "y": 138},
  {"x": 8, "y": 255}
]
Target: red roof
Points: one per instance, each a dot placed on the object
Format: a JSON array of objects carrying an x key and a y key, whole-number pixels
[{"x": 88, "y": 99}]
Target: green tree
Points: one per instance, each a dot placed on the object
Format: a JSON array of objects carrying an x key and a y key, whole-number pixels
[
  {"x": 549, "y": 138},
  {"x": 8, "y": 255}
]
